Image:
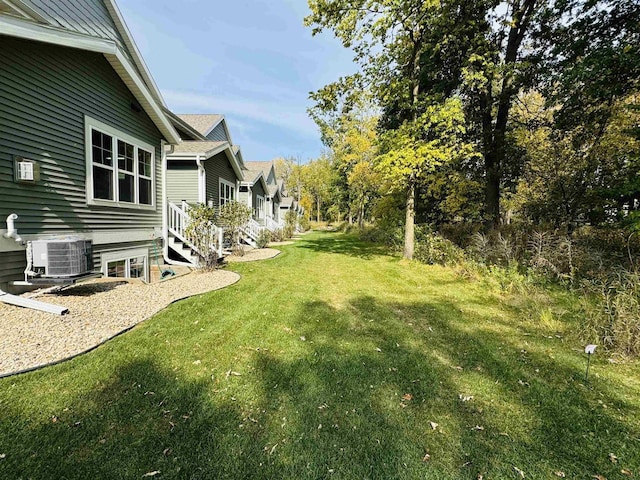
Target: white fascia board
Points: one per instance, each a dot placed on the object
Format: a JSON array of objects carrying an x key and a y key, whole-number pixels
[
  {"x": 228, "y": 149},
  {"x": 212, "y": 127},
  {"x": 234, "y": 163},
  {"x": 25, "y": 10},
  {"x": 15, "y": 27},
  {"x": 264, "y": 184},
  {"x": 138, "y": 87},
  {"x": 226, "y": 130},
  {"x": 133, "y": 48},
  {"x": 224, "y": 125}
]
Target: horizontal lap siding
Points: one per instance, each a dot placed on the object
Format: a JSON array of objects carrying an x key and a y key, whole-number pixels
[
  {"x": 89, "y": 17},
  {"x": 45, "y": 93},
  {"x": 218, "y": 134},
  {"x": 218, "y": 167},
  {"x": 12, "y": 265},
  {"x": 182, "y": 182}
]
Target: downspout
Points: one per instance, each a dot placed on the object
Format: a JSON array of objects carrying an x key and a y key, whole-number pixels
[
  {"x": 202, "y": 188},
  {"x": 165, "y": 212},
  {"x": 165, "y": 208}
]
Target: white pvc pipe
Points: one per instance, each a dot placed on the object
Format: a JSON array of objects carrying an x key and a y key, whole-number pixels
[
  {"x": 29, "y": 303},
  {"x": 11, "y": 228}
]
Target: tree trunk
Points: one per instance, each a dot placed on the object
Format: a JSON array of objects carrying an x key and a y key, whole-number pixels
[
  {"x": 318, "y": 204},
  {"x": 409, "y": 224},
  {"x": 494, "y": 133}
]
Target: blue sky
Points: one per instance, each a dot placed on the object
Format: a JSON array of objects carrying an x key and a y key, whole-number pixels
[{"x": 251, "y": 60}]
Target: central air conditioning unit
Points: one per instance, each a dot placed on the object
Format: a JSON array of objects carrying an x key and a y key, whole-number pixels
[{"x": 61, "y": 258}]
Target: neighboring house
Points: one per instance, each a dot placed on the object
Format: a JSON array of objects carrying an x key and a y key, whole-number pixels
[
  {"x": 271, "y": 189},
  {"x": 254, "y": 193},
  {"x": 205, "y": 168},
  {"x": 82, "y": 135}
]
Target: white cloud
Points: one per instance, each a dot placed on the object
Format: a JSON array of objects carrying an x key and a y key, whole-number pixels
[{"x": 283, "y": 115}]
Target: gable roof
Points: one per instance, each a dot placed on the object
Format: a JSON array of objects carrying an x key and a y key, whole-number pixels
[
  {"x": 198, "y": 147},
  {"x": 193, "y": 150},
  {"x": 265, "y": 167},
  {"x": 95, "y": 26},
  {"x": 204, "y": 123},
  {"x": 179, "y": 123}
]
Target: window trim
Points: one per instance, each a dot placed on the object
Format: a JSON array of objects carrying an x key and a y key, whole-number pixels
[
  {"x": 125, "y": 255},
  {"x": 93, "y": 124},
  {"x": 260, "y": 209},
  {"x": 222, "y": 182}
]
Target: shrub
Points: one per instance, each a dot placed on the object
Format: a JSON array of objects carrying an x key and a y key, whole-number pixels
[
  {"x": 277, "y": 235},
  {"x": 612, "y": 313},
  {"x": 202, "y": 235},
  {"x": 232, "y": 216},
  {"x": 304, "y": 223},
  {"x": 290, "y": 223},
  {"x": 264, "y": 238},
  {"x": 432, "y": 248}
]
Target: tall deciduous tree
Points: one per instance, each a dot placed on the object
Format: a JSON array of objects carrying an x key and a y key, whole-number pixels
[
  {"x": 417, "y": 149},
  {"x": 411, "y": 49}
]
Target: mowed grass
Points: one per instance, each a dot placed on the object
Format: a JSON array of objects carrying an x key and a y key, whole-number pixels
[{"x": 332, "y": 361}]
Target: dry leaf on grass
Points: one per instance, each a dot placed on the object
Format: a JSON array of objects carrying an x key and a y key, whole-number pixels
[
  {"x": 559, "y": 474},
  {"x": 407, "y": 396},
  {"x": 626, "y": 472},
  {"x": 613, "y": 458},
  {"x": 152, "y": 474},
  {"x": 434, "y": 425},
  {"x": 426, "y": 457},
  {"x": 519, "y": 472},
  {"x": 599, "y": 477}
]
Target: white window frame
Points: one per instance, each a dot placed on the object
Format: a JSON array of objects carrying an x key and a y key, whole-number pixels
[
  {"x": 125, "y": 255},
  {"x": 260, "y": 207},
  {"x": 221, "y": 190},
  {"x": 93, "y": 124}
]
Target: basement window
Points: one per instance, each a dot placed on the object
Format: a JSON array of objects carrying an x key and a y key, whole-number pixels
[{"x": 126, "y": 264}]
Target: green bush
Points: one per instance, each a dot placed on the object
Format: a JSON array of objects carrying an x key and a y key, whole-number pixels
[
  {"x": 305, "y": 223},
  {"x": 432, "y": 248},
  {"x": 264, "y": 238},
  {"x": 290, "y": 223},
  {"x": 200, "y": 232},
  {"x": 232, "y": 216}
]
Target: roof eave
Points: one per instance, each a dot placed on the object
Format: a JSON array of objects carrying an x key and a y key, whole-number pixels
[
  {"x": 121, "y": 25},
  {"x": 138, "y": 87},
  {"x": 26, "y": 30}
]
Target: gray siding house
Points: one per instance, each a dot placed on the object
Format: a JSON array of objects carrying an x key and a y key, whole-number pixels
[
  {"x": 271, "y": 191},
  {"x": 80, "y": 111},
  {"x": 204, "y": 168}
]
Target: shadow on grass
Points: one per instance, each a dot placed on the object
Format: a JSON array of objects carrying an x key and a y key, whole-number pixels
[
  {"x": 329, "y": 242},
  {"x": 356, "y": 403}
]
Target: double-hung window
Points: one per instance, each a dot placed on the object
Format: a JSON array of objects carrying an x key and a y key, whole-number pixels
[
  {"x": 119, "y": 168},
  {"x": 227, "y": 192}
]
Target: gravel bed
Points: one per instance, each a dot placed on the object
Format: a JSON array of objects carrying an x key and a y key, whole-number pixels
[
  {"x": 98, "y": 311},
  {"x": 253, "y": 255}
]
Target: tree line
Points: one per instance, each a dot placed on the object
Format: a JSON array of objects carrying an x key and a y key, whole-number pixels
[{"x": 479, "y": 112}]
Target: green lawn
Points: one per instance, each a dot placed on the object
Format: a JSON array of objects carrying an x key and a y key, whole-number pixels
[{"x": 333, "y": 361}]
